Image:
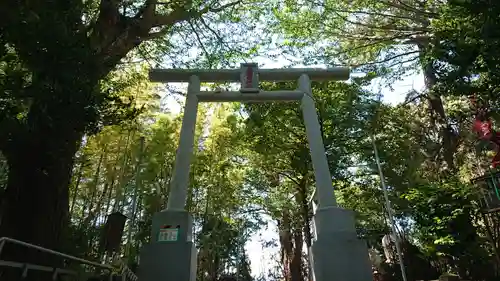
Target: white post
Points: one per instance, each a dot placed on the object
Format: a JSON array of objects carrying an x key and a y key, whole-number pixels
[
  {"x": 180, "y": 179},
  {"x": 389, "y": 210},
  {"x": 324, "y": 185}
]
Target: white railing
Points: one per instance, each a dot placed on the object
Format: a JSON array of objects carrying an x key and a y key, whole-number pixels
[
  {"x": 312, "y": 229},
  {"x": 313, "y": 206},
  {"x": 126, "y": 273},
  {"x": 55, "y": 271}
]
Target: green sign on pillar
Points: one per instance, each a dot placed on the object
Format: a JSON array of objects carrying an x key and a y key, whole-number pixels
[{"x": 168, "y": 234}]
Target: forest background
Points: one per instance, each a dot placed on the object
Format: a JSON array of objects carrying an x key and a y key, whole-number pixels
[{"x": 84, "y": 134}]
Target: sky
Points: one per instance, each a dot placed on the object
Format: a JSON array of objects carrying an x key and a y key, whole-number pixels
[{"x": 261, "y": 257}]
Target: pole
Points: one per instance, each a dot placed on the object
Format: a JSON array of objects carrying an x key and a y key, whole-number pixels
[
  {"x": 324, "y": 186},
  {"x": 389, "y": 209},
  {"x": 180, "y": 178}
]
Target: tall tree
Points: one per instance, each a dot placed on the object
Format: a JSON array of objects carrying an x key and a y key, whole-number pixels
[
  {"x": 390, "y": 37},
  {"x": 463, "y": 49},
  {"x": 67, "y": 49}
]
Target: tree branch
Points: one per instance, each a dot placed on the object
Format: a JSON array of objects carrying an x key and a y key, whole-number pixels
[
  {"x": 405, "y": 7},
  {"x": 212, "y": 30},
  {"x": 402, "y": 62},
  {"x": 115, "y": 35},
  {"x": 290, "y": 178},
  {"x": 181, "y": 14},
  {"x": 202, "y": 46},
  {"x": 147, "y": 12},
  {"x": 376, "y": 42},
  {"x": 368, "y": 13},
  {"x": 386, "y": 59},
  {"x": 385, "y": 28},
  {"x": 153, "y": 35},
  {"x": 415, "y": 97}
]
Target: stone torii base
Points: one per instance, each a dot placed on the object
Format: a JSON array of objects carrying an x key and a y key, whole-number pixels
[{"x": 171, "y": 256}]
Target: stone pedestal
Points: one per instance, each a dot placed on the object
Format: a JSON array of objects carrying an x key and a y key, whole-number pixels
[
  {"x": 171, "y": 255},
  {"x": 338, "y": 254}
]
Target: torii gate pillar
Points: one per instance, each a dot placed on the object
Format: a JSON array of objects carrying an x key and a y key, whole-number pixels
[{"x": 171, "y": 255}]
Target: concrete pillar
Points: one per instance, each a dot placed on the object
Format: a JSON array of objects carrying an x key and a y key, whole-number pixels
[
  {"x": 171, "y": 255},
  {"x": 337, "y": 252},
  {"x": 324, "y": 185},
  {"x": 180, "y": 179},
  {"x": 174, "y": 258}
]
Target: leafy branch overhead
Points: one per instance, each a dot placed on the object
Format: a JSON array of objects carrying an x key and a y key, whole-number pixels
[
  {"x": 57, "y": 41},
  {"x": 361, "y": 33},
  {"x": 112, "y": 28},
  {"x": 115, "y": 33}
]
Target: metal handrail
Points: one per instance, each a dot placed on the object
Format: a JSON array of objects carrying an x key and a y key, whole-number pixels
[
  {"x": 49, "y": 251},
  {"x": 26, "y": 266},
  {"x": 4, "y": 240},
  {"x": 127, "y": 273}
]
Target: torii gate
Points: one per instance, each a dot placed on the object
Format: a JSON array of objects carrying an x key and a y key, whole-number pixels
[{"x": 171, "y": 255}]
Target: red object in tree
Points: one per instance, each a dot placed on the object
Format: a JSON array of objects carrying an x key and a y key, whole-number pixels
[{"x": 483, "y": 127}]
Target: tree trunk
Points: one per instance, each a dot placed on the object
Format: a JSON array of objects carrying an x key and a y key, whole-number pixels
[
  {"x": 113, "y": 177},
  {"x": 77, "y": 186},
  {"x": 36, "y": 203},
  {"x": 86, "y": 219},
  {"x": 306, "y": 213},
  {"x": 286, "y": 245},
  {"x": 296, "y": 268},
  {"x": 122, "y": 181},
  {"x": 301, "y": 199},
  {"x": 449, "y": 137}
]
